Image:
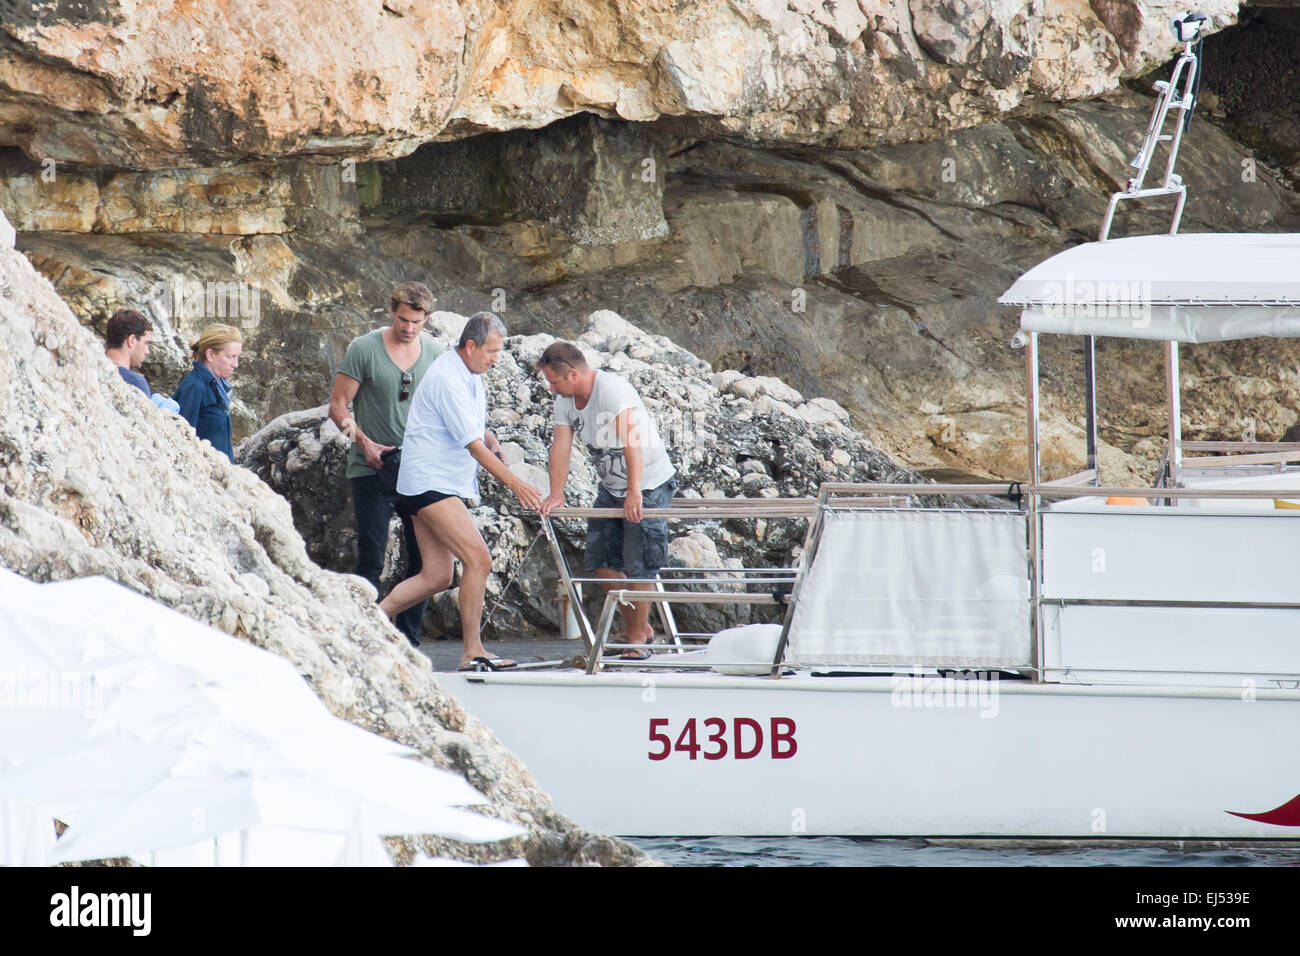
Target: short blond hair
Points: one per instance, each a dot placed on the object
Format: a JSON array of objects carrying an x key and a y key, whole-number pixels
[{"x": 215, "y": 337}]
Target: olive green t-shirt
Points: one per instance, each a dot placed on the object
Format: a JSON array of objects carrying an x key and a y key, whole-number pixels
[{"x": 377, "y": 408}]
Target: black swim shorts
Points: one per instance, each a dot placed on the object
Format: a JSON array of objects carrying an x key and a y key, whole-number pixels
[{"x": 409, "y": 504}]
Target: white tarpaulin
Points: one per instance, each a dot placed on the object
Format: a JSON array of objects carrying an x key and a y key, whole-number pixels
[
  {"x": 1206, "y": 287},
  {"x": 916, "y": 586},
  {"x": 161, "y": 732}
]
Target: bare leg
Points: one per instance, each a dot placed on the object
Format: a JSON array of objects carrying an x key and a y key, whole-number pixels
[
  {"x": 636, "y": 616},
  {"x": 449, "y": 522},
  {"x": 435, "y": 572}
]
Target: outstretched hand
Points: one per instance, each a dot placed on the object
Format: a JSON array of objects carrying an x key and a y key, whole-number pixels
[{"x": 527, "y": 495}]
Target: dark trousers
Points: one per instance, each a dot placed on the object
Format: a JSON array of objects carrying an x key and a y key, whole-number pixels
[{"x": 374, "y": 510}]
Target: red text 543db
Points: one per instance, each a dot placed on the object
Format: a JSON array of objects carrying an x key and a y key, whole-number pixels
[{"x": 741, "y": 738}]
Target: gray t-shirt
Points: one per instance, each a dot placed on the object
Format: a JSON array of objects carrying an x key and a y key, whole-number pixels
[
  {"x": 594, "y": 427},
  {"x": 377, "y": 406}
]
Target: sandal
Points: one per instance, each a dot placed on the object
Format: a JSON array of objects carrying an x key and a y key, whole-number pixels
[{"x": 488, "y": 664}]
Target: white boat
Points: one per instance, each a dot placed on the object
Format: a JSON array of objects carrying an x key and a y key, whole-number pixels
[{"x": 1073, "y": 665}]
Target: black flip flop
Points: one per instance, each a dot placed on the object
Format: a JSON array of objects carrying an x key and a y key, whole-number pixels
[{"x": 488, "y": 664}]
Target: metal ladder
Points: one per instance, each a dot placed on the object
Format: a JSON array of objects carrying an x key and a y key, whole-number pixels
[{"x": 1178, "y": 94}]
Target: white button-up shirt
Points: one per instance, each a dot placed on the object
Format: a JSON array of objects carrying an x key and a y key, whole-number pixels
[{"x": 448, "y": 411}]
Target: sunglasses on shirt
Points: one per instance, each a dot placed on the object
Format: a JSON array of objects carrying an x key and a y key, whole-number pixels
[{"x": 405, "y": 393}]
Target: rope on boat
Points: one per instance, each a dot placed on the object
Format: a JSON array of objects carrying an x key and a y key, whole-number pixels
[{"x": 518, "y": 567}]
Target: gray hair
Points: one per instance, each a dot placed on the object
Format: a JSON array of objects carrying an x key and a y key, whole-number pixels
[{"x": 480, "y": 327}]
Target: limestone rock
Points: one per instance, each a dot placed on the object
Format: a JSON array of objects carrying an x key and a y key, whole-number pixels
[
  {"x": 600, "y": 182},
  {"x": 235, "y": 200},
  {"x": 154, "y": 85},
  {"x": 874, "y": 287},
  {"x": 95, "y": 480},
  {"x": 948, "y": 31}
]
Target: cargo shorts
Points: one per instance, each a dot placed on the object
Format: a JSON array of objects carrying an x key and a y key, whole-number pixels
[{"x": 638, "y": 550}]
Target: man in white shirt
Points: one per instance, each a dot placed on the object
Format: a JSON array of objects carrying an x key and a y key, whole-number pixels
[
  {"x": 607, "y": 414},
  {"x": 446, "y": 440}
]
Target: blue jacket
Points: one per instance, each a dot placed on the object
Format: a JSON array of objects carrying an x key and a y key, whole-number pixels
[{"x": 204, "y": 406}]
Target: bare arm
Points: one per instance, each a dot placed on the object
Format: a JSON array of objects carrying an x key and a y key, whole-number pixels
[
  {"x": 528, "y": 496},
  {"x": 557, "y": 467},
  {"x": 630, "y": 435},
  {"x": 492, "y": 445},
  {"x": 341, "y": 396}
]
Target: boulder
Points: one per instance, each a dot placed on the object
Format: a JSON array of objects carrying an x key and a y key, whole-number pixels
[{"x": 95, "y": 480}]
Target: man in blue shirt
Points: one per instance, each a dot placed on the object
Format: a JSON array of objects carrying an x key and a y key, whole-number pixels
[{"x": 127, "y": 346}]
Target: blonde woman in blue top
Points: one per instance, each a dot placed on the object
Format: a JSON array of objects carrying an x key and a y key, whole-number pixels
[{"x": 204, "y": 394}]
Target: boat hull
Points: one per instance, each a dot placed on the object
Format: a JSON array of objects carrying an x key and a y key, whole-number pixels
[{"x": 703, "y": 754}]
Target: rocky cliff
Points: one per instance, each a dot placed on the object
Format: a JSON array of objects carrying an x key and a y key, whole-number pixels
[
  {"x": 95, "y": 480},
  {"x": 156, "y": 85},
  {"x": 731, "y": 216}
]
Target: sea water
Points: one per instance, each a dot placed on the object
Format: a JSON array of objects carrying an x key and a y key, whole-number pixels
[{"x": 868, "y": 851}]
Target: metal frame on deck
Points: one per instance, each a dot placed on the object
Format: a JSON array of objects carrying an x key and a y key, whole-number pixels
[
  {"x": 1169, "y": 483},
  {"x": 683, "y": 508},
  {"x": 1033, "y": 526},
  {"x": 596, "y": 639},
  {"x": 570, "y": 587},
  {"x": 1090, "y": 407},
  {"x": 1173, "y": 389},
  {"x": 784, "y": 584}
]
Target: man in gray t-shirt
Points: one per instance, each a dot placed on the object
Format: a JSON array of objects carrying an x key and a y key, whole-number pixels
[
  {"x": 607, "y": 415},
  {"x": 378, "y": 376}
]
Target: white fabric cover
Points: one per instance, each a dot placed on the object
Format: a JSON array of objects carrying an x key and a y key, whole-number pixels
[
  {"x": 745, "y": 650},
  {"x": 916, "y": 587},
  {"x": 1210, "y": 287},
  {"x": 150, "y": 724},
  {"x": 1171, "y": 323}
]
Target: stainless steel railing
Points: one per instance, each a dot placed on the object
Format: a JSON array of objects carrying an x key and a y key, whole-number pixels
[
  {"x": 831, "y": 496},
  {"x": 778, "y": 581}
]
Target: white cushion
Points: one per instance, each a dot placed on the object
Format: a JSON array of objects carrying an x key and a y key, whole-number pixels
[{"x": 744, "y": 650}]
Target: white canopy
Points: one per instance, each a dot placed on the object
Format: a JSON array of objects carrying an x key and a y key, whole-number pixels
[{"x": 1205, "y": 287}]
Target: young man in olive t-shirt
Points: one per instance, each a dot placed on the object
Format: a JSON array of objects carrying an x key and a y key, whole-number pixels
[{"x": 378, "y": 376}]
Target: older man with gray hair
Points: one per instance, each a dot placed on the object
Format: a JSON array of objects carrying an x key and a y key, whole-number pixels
[{"x": 446, "y": 440}]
